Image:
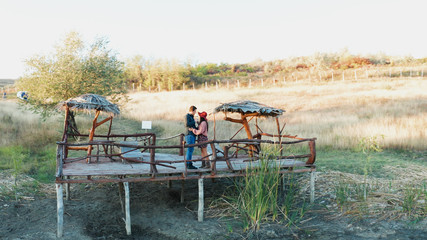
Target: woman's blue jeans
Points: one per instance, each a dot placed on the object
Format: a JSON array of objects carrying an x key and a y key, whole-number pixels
[{"x": 190, "y": 139}]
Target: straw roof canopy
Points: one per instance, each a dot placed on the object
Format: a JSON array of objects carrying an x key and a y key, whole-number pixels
[
  {"x": 246, "y": 107},
  {"x": 87, "y": 102}
]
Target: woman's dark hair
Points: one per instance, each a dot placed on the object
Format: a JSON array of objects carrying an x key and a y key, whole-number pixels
[{"x": 207, "y": 124}]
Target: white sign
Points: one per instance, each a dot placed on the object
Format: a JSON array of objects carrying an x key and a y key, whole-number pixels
[{"x": 146, "y": 125}]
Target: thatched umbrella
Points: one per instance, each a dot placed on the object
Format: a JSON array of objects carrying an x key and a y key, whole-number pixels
[
  {"x": 86, "y": 103},
  {"x": 247, "y": 109}
]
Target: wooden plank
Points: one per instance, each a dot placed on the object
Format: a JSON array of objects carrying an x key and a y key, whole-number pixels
[{"x": 106, "y": 167}]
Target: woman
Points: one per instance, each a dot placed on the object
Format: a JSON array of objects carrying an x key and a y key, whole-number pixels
[{"x": 202, "y": 134}]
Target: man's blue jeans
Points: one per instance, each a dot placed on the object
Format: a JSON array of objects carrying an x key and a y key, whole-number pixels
[{"x": 190, "y": 139}]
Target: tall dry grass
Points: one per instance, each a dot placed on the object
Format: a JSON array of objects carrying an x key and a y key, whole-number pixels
[
  {"x": 21, "y": 127},
  {"x": 339, "y": 114}
]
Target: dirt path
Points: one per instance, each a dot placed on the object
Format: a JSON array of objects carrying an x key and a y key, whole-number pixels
[{"x": 94, "y": 212}]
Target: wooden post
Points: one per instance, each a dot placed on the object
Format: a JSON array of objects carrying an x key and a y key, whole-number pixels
[
  {"x": 238, "y": 83},
  {"x": 284, "y": 80},
  {"x": 214, "y": 127},
  {"x": 60, "y": 210},
  {"x": 127, "y": 205},
  {"x": 262, "y": 82},
  {"x": 280, "y": 134},
  {"x": 250, "y": 83},
  {"x": 193, "y": 87},
  {"x": 213, "y": 159},
  {"x": 355, "y": 74},
  {"x": 91, "y": 135},
  {"x": 201, "y": 201},
  {"x": 182, "y": 142},
  {"x": 312, "y": 179},
  {"x": 343, "y": 75},
  {"x": 183, "y": 86},
  {"x": 206, "y": 85},
  {"x": 332, "y": 76},
  {"x": 249, "y": 134}
]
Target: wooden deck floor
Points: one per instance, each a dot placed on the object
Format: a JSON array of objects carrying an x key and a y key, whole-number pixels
[{"x": 106, "y": 167}]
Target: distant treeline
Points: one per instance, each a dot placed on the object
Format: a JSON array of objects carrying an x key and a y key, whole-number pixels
[{"x": 170, "y": 74}]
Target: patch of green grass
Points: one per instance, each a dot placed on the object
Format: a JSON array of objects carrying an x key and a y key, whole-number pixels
[{"x": 354, "y": 162}]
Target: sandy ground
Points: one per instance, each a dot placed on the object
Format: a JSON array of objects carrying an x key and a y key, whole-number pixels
[{"x": 95, "y": 212}]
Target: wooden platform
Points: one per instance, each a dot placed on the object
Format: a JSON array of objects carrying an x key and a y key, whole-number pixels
[{"x": 107, "y": 167}]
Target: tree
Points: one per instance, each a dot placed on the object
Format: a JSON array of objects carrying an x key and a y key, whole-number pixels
[{"x": 72, "y": 70}]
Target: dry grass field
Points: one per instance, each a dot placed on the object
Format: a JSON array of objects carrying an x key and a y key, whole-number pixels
[{"x": 339, "y": 114}]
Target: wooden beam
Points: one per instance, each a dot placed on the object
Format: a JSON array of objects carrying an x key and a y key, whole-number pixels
[
  {"x": 60, "y": 210},
  {"x": 233, "y": 120}
]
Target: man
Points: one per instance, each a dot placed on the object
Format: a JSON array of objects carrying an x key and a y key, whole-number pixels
[{"x": 190, "y": 138}]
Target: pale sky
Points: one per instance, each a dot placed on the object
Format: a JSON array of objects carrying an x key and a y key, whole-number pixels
[{"x": 229, "y": 31}]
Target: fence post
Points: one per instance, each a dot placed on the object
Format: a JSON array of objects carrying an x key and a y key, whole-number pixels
[
  {"x": 343, "y": 75},
  {"x": 262, "y": 82},
  {"x": 193, "y": 86},
  {"x": 355, "y": 75},
  {"x": 332, "y": 76},
  {"x": 250, "y": 83},
  {"x": 284, "y": 79},
  {"x": 206, "y": 85}
]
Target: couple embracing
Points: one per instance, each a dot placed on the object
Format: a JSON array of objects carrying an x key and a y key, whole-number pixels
[{"x": 201, "y": 131}]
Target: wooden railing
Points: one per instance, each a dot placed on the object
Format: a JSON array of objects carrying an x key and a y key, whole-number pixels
[{"x": 108, "y": 148}]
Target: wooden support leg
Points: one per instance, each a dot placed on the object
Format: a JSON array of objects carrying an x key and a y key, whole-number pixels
[
  {"x": 60, "y": 210},
  {"x": 182, "y": 191},
  {"x": 127, "y": 197},
  {"x": 312, "y": 178},
  {"x": 170, "y": 182},
  {"x": 201, "y": 201},
  {"x": 121, "y": 196}
]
